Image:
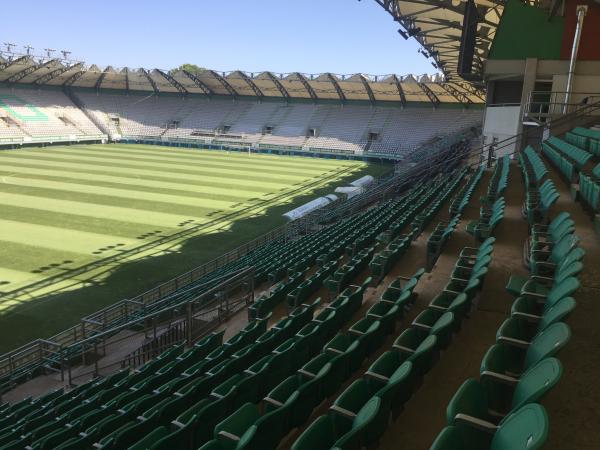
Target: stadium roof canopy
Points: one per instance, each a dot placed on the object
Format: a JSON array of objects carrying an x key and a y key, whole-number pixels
[
  {"x": 26, "y": 69},
  {"x": 437, "y": 26}
]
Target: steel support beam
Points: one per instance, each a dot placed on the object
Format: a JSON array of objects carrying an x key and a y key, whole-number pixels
[
  {"x": 429, "y": 93},
  {"x": 410, "y": 23},
  {"x": 28, "y": 71},
  {"x": 101, "y": 77},
  {"x": 285, "y": 94},
  {"x": 199, "y": 83},
  {"x": 7, "y": 64},
  {"x": 73, "y": 78},
  {"x": 472, "y": 90},
  {"x": 365, "y": 83},
  {"x": 56, "y": 73},
  {"x": 176, "y": 84},
  {"x": 307, "y": 86},
  {"x": 460, "y": 96},
  {"x": 224, "y": 83},
  {"x": 150, "y": 80},
  {"x": 337, "y": 87},
  {"x": 400, "y": 90},
  {"x": 127, "y": 79},
  {"x": 252, "y": 84}
]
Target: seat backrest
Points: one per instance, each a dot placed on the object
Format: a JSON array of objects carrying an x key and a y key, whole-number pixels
[
  {"x": 525, "y": 429},
  {"x": 557, "y": 312},
  {"x": 366, "y": 414},
  {"x": 477, "y": 274},
  {"x": 563, "y": 247},
  {"x": 445, "y": 319},
  {"x": 418, "y": 273},
  {"x": 547, "y": 343},
  {"x": 567, "y": 270},
  {"x": 560, "y": 218},
  {"x": 563, "y": 289},
  {"x": 538, "y": 380},
  {"x": 565, "y": 227}
]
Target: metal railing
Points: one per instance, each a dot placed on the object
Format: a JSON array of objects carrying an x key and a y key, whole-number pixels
[
  {"x": 203, "y": 311},
  {"x": 542, "y": 106}
]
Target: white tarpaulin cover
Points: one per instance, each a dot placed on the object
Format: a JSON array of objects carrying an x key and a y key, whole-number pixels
[
  {"x": 363, "y": 181},
  {"x": 309, "y": 207}
]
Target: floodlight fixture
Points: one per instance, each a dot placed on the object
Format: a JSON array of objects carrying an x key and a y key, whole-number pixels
[{"x": 402, "y": 33}]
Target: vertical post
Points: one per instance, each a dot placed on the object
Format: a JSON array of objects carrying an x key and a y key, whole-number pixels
[
  {"x": 189, "y": 324},
  {"x": 581, "y": 12},
  {"x": 96, "y": 359},
  {"x": 490, "y": 155}
]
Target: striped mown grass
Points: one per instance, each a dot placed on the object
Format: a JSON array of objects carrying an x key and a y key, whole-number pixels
[{"x": 65, "y": 209}]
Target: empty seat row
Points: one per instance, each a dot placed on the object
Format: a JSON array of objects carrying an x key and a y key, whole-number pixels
[
  {"x": 500, "y": 410},
  {"x": 360, "y": 415},
  {"x": 489, "y": 217},
  {"x": 499, "y": 179},
  {"x": 290, "y": 403},
  {"x": 462, "y": 198},
  {"x": 578, "y": 156},
  {"x": 562, "y": 163},
  {"x": 438, "y": 238},
  {"x": 585, "y": 138}
]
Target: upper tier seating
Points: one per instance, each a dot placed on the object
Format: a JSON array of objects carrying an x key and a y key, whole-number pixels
[
  {"x": 342, "y": 128},
  {"x": 42, "y": 115}
]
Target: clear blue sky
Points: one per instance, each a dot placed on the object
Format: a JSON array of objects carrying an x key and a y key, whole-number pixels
[{"x": 312, "y": 36}]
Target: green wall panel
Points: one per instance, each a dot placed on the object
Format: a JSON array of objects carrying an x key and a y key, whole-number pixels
[{"x": 525, "y": 32}]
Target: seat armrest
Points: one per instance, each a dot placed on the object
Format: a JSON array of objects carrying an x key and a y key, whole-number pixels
[
  {"x": 541, "y": 278},
  {"x": 421, "y": 326},
  {"x": 307, "y": 373},
  {"x": 476, "y": 423},
  {"x": 342, "y": 411},
  {"x": 505, "y": 379},
  {"x": 532, "y": 294},
  {"x": 334, "y": 350},
  {"x": 376, "y": 376},
  {"x": 404, "y": 349},
  {"x": 228, "y": 435},
  {"x": 514, "y": 342},
  {"x": 272, "y": 401},
  {"x": 527, "y": 317},
  {"x": 452, "y": 292}
]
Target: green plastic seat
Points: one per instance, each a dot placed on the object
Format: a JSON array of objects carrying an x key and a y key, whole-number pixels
[
  {"x": 207, "y": 414},
  {"x": 523, "y": 328},
  {"x": 350, "y": 344},
  {"x": 422, "y": 358},
  {"x": 230, "y": 430},
  {"x": 348, "y": 405},
  {"x": 309, "y": 339},
  {"x": 323, "y": 435},
  {"x": 438, "y": 323},
  {"x": 150, "y": 439},
  {"x": 458, "y": 305},
  {"x": 270, "y": 428},
  {"x": 532, "y": 308},
  {"x": 490, "y": 399},
  {"x": 541, "y": 261},
  {"x": 387, "y": 314},
  {"x": 525, "y": 429},
  {"x": 370, "y": 330},
  {"x": 330, "y": 380},
  {"x": 512, "y": 359}
]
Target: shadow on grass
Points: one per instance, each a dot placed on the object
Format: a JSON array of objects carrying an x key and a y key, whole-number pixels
[{"x": 49, "y": 314}]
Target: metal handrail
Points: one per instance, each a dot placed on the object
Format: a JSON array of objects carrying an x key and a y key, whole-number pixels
[{"x": 546, "y": 104}]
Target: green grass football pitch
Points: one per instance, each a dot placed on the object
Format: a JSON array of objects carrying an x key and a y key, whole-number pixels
[{"x": 85, "y": 226}]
